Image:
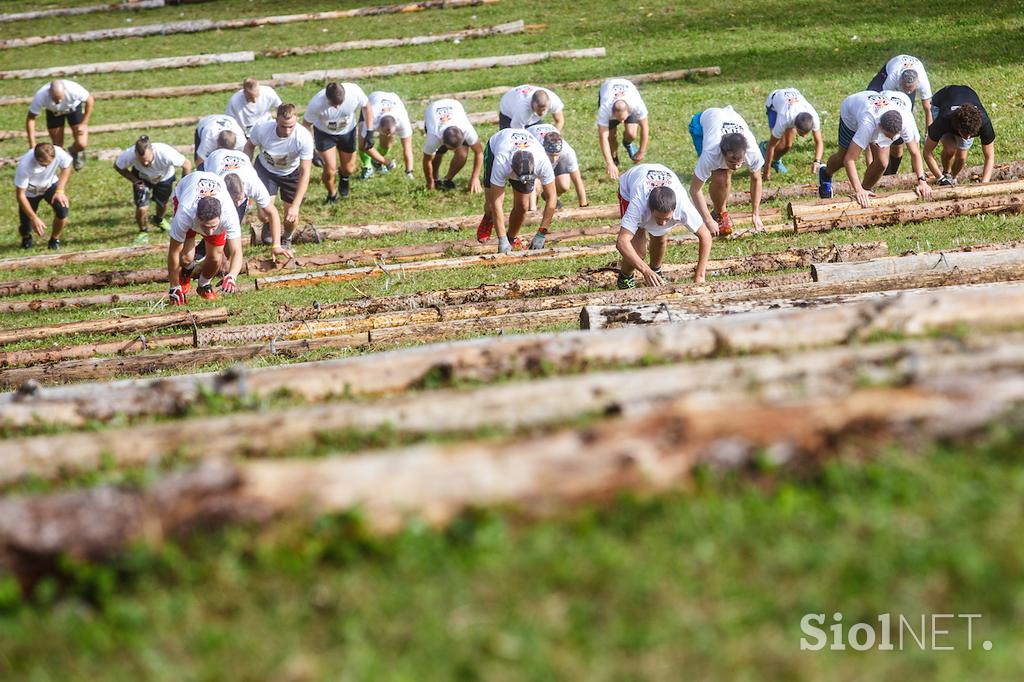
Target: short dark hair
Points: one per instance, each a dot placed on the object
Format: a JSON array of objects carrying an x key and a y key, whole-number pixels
[
  {"x": 453, "y": 136},
  {"x": 522, "y": 163},
  {"x": 908, "y": 79},
  {"x": 44, "y": 152},
  {"x": 733, "y": 142},
  {"x": 387, "y": 124},
  {"x": 891, "y": 122},
  {"x": 619, "y": 105},
  {"x": 967, "y": 120},
  {"x": 286, "y": 110},
  {"x": 335, "y": 93},
  {"x": 250, "y": 84},
  {"x": 662, "y": 200},
  {"x": 142, "y": 144},
  {"x": 540, "y": 98},
  {"x": 226, "y": 140},
  {"x": 235, "y": 187},
  {"x": 803, "y": 122},
  {"x": 208, "y": 208}
]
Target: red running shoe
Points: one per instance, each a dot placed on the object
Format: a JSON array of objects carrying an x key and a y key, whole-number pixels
[
  {"x": 206, "y": 291},
  {"x": 483, "y": 230},
  {"x": 724, "y": 223}
]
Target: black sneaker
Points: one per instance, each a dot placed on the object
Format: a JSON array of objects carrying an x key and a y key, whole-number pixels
[
  {"x": 446, "y": 184},
  {"x": 624, "y": 282},
  {"x": 53, "y": 244},
  {"x": 78, "y": 160},
  {"x": 331, "y": 199},
  {"x": 26, "y": 242},
  {"x": 343, "y": 187},
  {"x": 318, "y": 161},
  {"x": 200, "y": 250},
  {"x": 947, "y": 180},
  {"x": 286, "y": 240},
  {"x": 266, "y": 236}
]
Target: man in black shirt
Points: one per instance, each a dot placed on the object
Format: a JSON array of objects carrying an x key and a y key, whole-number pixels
[{"x": 959, "y": 118}]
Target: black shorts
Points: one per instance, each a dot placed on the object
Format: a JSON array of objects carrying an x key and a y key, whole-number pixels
[
  {"x": 25, "y": 223},
  {"x": 287, "y": 184},
  {"x": 518, "y": 186},
  {"x": 562, "y": 167},
  {"x": 73, "y": 117},
  {"x": 159, "y": 193},
  {"x": 504, "y": 121},
  {"x": 242, "y": 208},
  {"x": 324, "y": 141},
  {"x": 613, "y": 123}
]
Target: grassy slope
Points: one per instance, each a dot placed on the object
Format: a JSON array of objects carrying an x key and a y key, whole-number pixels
[{"x": 579, "y": 599}]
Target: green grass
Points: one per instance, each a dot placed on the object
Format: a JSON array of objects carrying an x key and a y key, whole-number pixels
[{"x": 710, "y": 584}]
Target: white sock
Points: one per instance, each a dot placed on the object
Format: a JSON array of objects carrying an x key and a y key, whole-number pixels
[{"x": 204, "y": 281}]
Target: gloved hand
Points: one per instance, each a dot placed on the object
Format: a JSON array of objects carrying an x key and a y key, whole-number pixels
[
  {"x": 227, "y": 285},
  {"x": 537, "y": 243},
  {"x": 176, "y": 296},
  {"x": 503, "y": 245}
]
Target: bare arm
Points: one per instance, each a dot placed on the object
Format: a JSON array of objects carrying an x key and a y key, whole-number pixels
[
  {"x": 624, "y": 244},
  {"x": 850, "y": 163},
  {"x": 926, "y": 104},
  {"x": 88, "y": 109},
  {"x": 704, "y": 237},
  {"x": 819, "y": 150},
  {"x": 559, "y": 119},
  {"x": 428, "y": 170},
  {"x": 766, "y": 169},
  {"x": 606, "y": 152},
  {"x": 407, "y": 153},
  {"x": 305, "y": 170},
  {"x": 270, "y": 215},
  {"x": 173, "y": 262},
  {"x": 989, "y": 151},
  {"x": 60, "y": 194},
  {"x": 126, "y": 174},
  {"x": 581, "y": 191},
  {"x": 929, "y": 157},
  {"x": 701, "y": 204},
  {"x": 922, "y": 189},
  {"x": 478, "y": 165},
  {"x": 645, "y": 136},
  {"x": 755, "y": 199},
  {"x": 30, "y": 130},
  {"x": 249, "y": 149},
  {"x": 186, "y": 168},
  {"x": 550, "y": 200},
  {"x": 37, "y": 223}
]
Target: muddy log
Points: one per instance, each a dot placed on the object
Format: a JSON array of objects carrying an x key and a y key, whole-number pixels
[
  {"x": 663, "y": 442},
  {"x": 542, "y": 401},
  {"x": 794, "y": 210},
  {"x": 200, "y": 25},
  {"x": 117, "y": 324},
  {"x": 138, "y": 344},
  {"x": 64, "y": 258},
  {"x": 833, "y": 273},
  {"x": 909, "y": 213}
]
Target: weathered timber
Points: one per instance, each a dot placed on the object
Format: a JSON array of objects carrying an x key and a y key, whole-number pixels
[
  {"x": 137, "y": 344},
  {"x": 199, "y": 25},
  {"x": 50, "y": 260},
  {"x": 795, "y": 210},
  {"x": 83, "y": 9},
  {"x": 131, "y": 65},
  {"x": 39, "y": 304},
  {"x": 445, "y": 65},
  {"x": 930, "y": 262},
  {"x": 910, "y": 213},
  {"x": 377, "y": 43},
  {"x": 117, "y": 324},
  {"x": 829, "y": 372},
  {"x": 97, "y": 280},
  {"x": 654, "y": 448}
]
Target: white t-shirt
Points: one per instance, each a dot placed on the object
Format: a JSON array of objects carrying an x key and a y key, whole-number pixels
[
  {"x": 210, "y": 127},
  {"x": 635, "y": 186},
  {"x": 717, "y": 123},
  {"x": 36, "y": 179},
  {"x": 220, "y": 162},
  {"x": 247, "y": 113},
  {"x": 895, "y": 67},
  {"x": 388, "y": 104},
  {"x": 567, "y": 157},
  {"x": 505, "y": 143},
  {"x": 337, "y": 120},
  {"x": 165, "y": 159},
  {"x": 187, "y": 194},
  {"x": 788, "y": 103},
  {"x": 441, "y": 115},
  {"x": 517, "y": 105},
  {"x": 281, "y": 155},
  {"x": 861, "y": 112},
  {"x": 615, "y": 89},
  {"x": 74, "y": 94}
]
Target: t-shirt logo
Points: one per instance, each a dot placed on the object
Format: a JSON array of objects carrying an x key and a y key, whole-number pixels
[
  {"x": 386, "y": 105},
  {"x": 444, "y": 114},
  {"x": 730, "y": 128},
  {"x": 658, "y": 178},
  {"x": 877, "y": 101},
  {"x": 619, "y": 91},
  {"x": 791, "y": 97},
  {"x": 276, "y": 160},
  {"x": 232, "y": 163},
  {"x": 206, "y": 187},
  {"x": 521, "y": 141}
]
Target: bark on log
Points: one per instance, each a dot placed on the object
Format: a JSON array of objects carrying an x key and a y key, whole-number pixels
[
  {"x": 445, "y": 65},
  {"x": 199, "y": 25},
  {"x": 138, "y": 344},
  {"x": 86, "y": 9},
  {"x": 39, "y": 304},
  {"x": 942, "y": 262},
  {"x": 379, "y": 43},
  {"x": 65, "y": 258},
  {"x": 821, "y": 373},
  {"x": 797, "y": 211},
  {"x": 99, "y": 280},
  {"x": 663, "y": 444},
  {"x": 912, "y": 213},
  {"x": 117, "y": 324},
  {"x": 678, "y": 74},
  {"x": 131, "y": 65}
]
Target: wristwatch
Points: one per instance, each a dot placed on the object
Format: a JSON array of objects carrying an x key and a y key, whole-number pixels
[{"x": 921, "y": 178}]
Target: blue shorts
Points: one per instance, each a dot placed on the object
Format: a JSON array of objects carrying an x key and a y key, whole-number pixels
[
  {"x": 697, "y": 133},
  {"x": 772, "y": 117},
  {"x": 845, "y": 135}
]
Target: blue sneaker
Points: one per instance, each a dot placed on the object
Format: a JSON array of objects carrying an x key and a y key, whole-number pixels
[
  {"x": 632, "y": 149},
  {"x": 778, "y": 167},
  {"x": 824, "y": 184}
]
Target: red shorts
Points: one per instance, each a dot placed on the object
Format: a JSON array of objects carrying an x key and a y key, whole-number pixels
[
  {"x": 623, "y": 206},
  {"x": 216, "y": 240}
]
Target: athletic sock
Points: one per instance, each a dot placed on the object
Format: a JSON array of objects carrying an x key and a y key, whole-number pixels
[{"x": 203, "y": 281}]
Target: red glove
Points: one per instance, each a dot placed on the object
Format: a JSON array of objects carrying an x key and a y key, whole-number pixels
[
  {"x": 176, "y": 296},
  {"x": 227, "y": 285}
]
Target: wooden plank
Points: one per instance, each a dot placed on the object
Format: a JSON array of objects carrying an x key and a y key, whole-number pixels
[
  {"x": 125, "y": 323},
  {"x": 83, "y": 9},
  {"x": 834, "y": 273},
  {"x": 200, "y": 25},
  {"x": 123, "y": 66}
]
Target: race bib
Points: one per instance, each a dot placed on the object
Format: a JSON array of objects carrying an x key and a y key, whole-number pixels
[{"x": 276, "y": 160}]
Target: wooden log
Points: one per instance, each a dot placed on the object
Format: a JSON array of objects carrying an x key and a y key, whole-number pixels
[
  {"x": 911, "y": 213},
  {"x": 138, "y": 344},
  {"x": 653, "y": 449},
  {"x": 199, "y": 25},
  {"x": 51, "y": 260},
  {"x": 884, "y": 267},
  {"x": 126, "y": 65},
  {"x": 542, "y": 401},
  {"x": 445, "y": 65},
  {"x": 40, "y": 304},
  {"x": 98, "y": 280},
  {"x": 798, "y": 211},
  {"x": 379, "y": 43},
  {"x": 119, "y": 324},
  {"x": 84, "y": 9},
  {"x": 678, "y": 74}
]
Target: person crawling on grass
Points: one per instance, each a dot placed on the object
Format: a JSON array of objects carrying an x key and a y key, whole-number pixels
[
  {"x": 563, "y": 159},
  {"x": 872, "y": 120},
  {"x": 905, "y": 74},
  {"x": 391, "y": 121},
  {"x": 41, "y": 176},
  {"x": 789, "y": 115},
  {"x": 651, "y": 202},
  {"x": 448, "y": 129},
  {"x": 723, "y": 142},
  {"x": 618, "y": 101},
  {"x": 959, "y": 117},
  {"x": 513, "y": 156},
  {"x": 150, "y": 167},
  {"x": 527, "y": 105},
  {"x": 65, "y": 102},
  {"x": 212, "y": 132},
  {"x": 204, "y": 206},
  {"x": 332, "y": 116}
]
